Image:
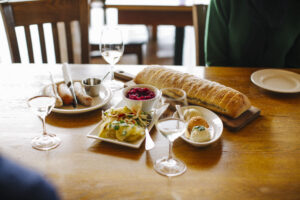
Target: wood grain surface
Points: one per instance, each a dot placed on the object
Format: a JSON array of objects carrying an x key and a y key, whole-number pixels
[{"x": 261, "y": 161}]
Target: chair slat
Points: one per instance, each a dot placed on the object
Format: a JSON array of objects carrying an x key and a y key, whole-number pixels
[
  {"x": 42, "y": 42},
  {"x": 199, "y": 21},
  {"x": 28, "y": 12},
  {"x": 69, "y": 42},
  {"x": 84, "y": 39},
  {"x": 10, "y": 31},
  {"x": 56, "y": 42},
  {"x": 29, "y": 44}
]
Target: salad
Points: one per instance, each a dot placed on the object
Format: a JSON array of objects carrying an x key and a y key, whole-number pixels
[{"x": 124, "y": 124}]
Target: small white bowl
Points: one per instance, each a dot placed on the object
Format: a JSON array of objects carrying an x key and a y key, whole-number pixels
[
  {"x": 147, "y": 104},
  {"x": 215, "y": 126}
]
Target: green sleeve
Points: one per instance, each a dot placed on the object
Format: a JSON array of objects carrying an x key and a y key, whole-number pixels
[
  {"x": 293, "y": 57},
  {"x": 216, "y": 33}
]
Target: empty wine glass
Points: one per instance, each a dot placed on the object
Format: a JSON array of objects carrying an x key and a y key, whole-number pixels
[
  {"x": 41, "y": 105},
  {"x": 171, "y": 125},
  {"x": 112, "y": 48}
]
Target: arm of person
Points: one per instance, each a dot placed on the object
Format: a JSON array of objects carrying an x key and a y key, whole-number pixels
[
  {"x": 293, "y": 57},
  {"x": 216, "y": 33},
  {"x": 17, "y": 182}
]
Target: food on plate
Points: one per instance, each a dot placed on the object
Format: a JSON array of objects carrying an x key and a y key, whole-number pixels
[
  {"x": 199, "y": 91},
  {"x": 65, "y": 93},
  {"x": 198, "y": 130},
  {"x": 140, "y": 94},
  {"x": 200, "y": 134},
  {"x": 81, "y": 94},
  {"x": 50, "y": 91},
  {"x": 191, "y": 112},
  {"x": 197, "y": 121},
  {"x": 124, "y": 124}
]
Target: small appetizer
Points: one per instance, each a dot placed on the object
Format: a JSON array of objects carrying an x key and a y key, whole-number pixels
[
  {"x": 81, "y": 95},
  {"x": 200, "y": 134},
  {"x": 198, "y": 130},
  {"x": 197, "y": 121},
  {"x": 65, "y": 93},
  {"x": 124, "y": 124},
  {"x": 190, "y": 113}
]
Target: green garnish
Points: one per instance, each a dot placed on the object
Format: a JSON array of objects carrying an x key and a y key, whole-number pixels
[
  {"x": 199, "y": 128},
  {"x": 115, "y": 126},
  {"x": 124, "y": 124}
]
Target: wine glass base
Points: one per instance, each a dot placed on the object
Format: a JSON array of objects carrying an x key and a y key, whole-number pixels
[
  {"x": 114, "y": 85},
  {"x": 169, "y": 167},
  {"x": 45, "y": 142}
]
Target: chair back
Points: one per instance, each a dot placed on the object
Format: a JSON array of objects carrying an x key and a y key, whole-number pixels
[
  {"x": 38, "y": 12},
  {"x": 199, "y": 21}
]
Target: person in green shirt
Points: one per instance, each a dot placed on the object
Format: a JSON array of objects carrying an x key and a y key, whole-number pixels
[{"x": 253, "y": 33}]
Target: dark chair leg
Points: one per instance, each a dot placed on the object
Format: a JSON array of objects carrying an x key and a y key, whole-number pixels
[
  {"x": 179, "y": 37},
  {"x": 140, "y": 54}
]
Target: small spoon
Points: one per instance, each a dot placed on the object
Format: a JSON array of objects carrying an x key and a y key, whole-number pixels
[{"x": 105, "y": 76}]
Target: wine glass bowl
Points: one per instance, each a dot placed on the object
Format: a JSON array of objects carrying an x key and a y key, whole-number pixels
[{"x": 171, "y": 125}]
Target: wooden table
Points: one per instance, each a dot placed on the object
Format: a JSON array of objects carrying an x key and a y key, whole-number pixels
[
  {"x": 157, "y": 12},
  {"x": 261, "y": 161}
]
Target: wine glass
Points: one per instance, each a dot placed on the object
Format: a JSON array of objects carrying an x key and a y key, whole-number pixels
[
  {"x": 112, "y": 48},
  {"x": 171, "y": 125},
  {"x": 42, "y": 104}
]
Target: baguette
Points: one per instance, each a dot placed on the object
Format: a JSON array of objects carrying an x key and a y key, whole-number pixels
[{"x": 202, "y": 92}]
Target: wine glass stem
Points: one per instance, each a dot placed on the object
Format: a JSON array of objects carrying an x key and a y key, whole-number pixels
[
  {"x": 112, "y": 71},
  {"x": 44, "y": 125},
  {"x": 170, "y": 150}
]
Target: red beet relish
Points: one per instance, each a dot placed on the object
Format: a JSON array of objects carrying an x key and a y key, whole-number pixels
[{"x": 140, "y": 94}]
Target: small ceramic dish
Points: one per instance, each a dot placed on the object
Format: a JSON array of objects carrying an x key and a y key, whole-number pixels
[
  {"x": 214, "y": 122},
  {"x": 147, "y": 104}
]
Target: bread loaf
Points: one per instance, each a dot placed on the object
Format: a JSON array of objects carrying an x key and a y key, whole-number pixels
[{"x": 199, "y": 91}]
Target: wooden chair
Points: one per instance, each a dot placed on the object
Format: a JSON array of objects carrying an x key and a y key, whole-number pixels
[
  {"x": 199, "y": 21},
  {"x": 29, "y": 12},
  {"x": 135, "y": 36}
]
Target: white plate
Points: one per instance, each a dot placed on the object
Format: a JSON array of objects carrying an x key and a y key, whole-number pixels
[
  {"x": 95, "y": 132},
  {"x": 214, "y": 122},
  {"x": 104, "y": 97},
  {"x": 277, "y": 80}
]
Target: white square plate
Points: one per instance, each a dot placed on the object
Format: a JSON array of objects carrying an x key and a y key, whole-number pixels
[{"x": 95, "y": 132}]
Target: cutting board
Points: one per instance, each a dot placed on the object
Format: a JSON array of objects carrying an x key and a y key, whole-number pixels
[{"x": 232, "y": 124}]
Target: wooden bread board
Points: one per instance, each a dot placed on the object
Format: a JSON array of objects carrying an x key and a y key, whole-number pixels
[{"x": 232, "y": 124}]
